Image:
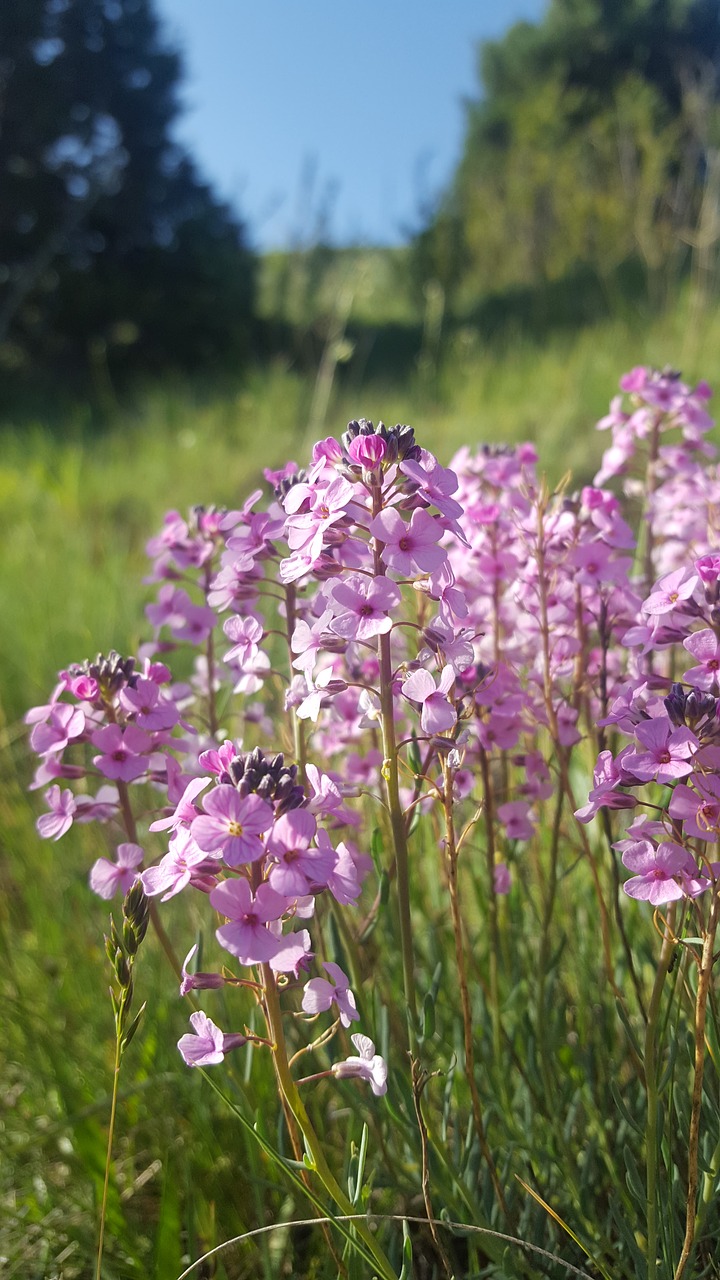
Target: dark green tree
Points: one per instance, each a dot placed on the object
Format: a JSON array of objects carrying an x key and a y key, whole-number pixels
[{"x": 107, "y": 234}]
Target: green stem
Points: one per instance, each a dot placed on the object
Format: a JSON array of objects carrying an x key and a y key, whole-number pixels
[
  {"x": 297, "y": 1108},
  {"x": 494, "y": 950},
  {"x": 651, "y": 1085},
  {"x": 132, "y": 835},
  {"x": 704, "y": 976},
  {"x": 397, "y": 817},
  {"x": 451, "y": 860},
  {"x": 108, "y": 1156}
]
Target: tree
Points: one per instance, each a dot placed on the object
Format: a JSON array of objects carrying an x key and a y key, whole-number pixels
[
  {"x": 587, "y": 147},
  {"x": 105, "y": 226}
]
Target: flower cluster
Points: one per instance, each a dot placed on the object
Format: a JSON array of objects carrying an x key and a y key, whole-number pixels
[{"x": 436, "y": 637}]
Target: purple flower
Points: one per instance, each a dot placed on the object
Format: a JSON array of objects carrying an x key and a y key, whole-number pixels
[
  {"x": 246, "y": 633},
  {"x": 367, "y": 1066},
  {"x": 409, "y": 548},
  {"x": 207, "y": 1045},
  {"x": 608, "y": 775},
  {"x": 53, "y": 825},
  {"x": 700, "y": 813},
  {"x": 183, "y": 864},
  {"x": 435, "y": 482},
  {"x": 363, "y": 604},
  {"x": 293, "y": 954},
  {"x": 438, "y": 714},
  {"x": 705, "y": 648},
  {"x": 320, "y": 994},
  {"x": 664, "y": 874},
  {"x": 442, "y": 587},
  {"x": 367, "y": 451},
  {"x": 671, "y": 592},
  {"x": 198, "y": 981},
  {"x": 149, "y": 709},
  {"x": 232, "y": 825},
  {"x": 247, "y": 935},
  {"x": 515, "y": 818},
  {"x": 667, "y": 752},
  {"x": 124, "y": 752},
  {"x": 97, "y": 808},
  {"x": 501, "y": 878},
  {"x": 186, "y": 810},
  {"x": 306, "y": 532},
  {"x": 64, "y": 725},
  {"x": 299, "y": 869},
  {"x": 351, "y": 866},
  {"x": 107, "y": 877}
]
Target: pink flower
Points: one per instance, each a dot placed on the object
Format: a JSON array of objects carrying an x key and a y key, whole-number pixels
[
  {"x": 670, "y": 592},
  {"x": 124, "y": 752},
  {"x": 362, "y": 605},
  {"x": 186, "y": 809},
  {"x": 350, "y": 868},
  {"x": 367, "y": 1066},
  {"x": 207, "y": 1044},
  {"x": 515, "y": 817},
  {"x": 435, "y": 482},
  {"x": 293, "y": 954},
  {"x": 705, "y": 647},
  {"x": 107, "y": 877},
  {"x": 198, "y": 981},
  {"x": 501, "y": 878},
  {"x": 183, "y": 864},
  {"x": 64, "y": 725},
  {"x": 146, "y": 705},
  {"x": 218, "y": 761},
  {"x": 246, "y": 634},
  {"x": 53, "y": 825},
  {"x": 319, "y": 994},
  {"x": 298, "y": 869},
  {"x": 306, "y": 532},
  {"x": 708, "y": 567},
  {"x": 700, "y": 813},
  {"x": 442, "y": 587},
  {"x": 232, "y": 825},
  {"x": 367, "y": 451},
  {"x": 608, "y": 776},
  {"x": 438, "y": 714},
  {"x": 664, "y": 874},
  {"x": 667, "y": 753},
  {"x": 247, "y": 935},
  {"x": 409, "y": 548}
]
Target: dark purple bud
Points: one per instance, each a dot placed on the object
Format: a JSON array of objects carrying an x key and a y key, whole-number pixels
[{"x": 675, "y": 704}]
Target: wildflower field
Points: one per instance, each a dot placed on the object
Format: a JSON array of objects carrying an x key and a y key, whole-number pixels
[{"x": 404, "y": 798}]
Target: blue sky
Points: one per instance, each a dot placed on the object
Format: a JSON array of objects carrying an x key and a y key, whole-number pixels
[{"x": 298, "y": 105}]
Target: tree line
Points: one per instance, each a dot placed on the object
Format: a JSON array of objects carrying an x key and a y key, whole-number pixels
[
  {"x": 595, "y": 140},
  {"x": 593, "y": 143}
]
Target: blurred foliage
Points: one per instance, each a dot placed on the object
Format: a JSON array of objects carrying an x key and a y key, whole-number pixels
[
  {"x": 594, "y": 143},
  {"x": 109, "y": 240}
]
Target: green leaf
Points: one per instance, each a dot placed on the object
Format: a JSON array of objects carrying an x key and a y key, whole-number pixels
[
  {"x": 632, "y": 1176},
  {"x": 622, "y": 1108},
  {"x": 428, "y": 1022},
  {"x": 132, "y": 1028},
  {"x": 168, "y": 1254},
  {"x": 406, "y": 1272}
]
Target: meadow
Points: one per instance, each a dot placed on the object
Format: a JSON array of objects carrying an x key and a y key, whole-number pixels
[{"x": 562, "y": 1101}]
